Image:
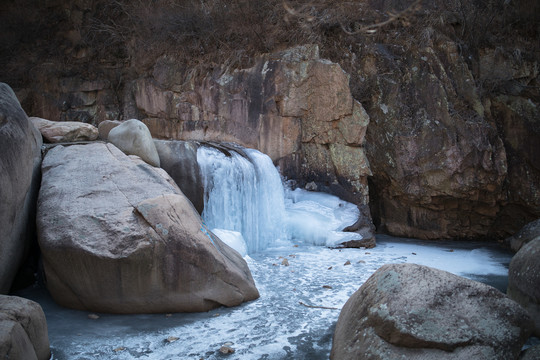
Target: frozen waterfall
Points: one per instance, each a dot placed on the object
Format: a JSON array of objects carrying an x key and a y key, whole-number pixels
[{"x": 244, "y": 195}]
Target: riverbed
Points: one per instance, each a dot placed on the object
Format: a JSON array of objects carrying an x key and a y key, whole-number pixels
[{"x": 293, "y": 319}]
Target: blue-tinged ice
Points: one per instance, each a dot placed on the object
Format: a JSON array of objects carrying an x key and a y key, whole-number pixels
[{"x": 245, "y": 193}]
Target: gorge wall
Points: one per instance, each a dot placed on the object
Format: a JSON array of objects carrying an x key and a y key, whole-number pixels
[{"x": 441, "y": 115}]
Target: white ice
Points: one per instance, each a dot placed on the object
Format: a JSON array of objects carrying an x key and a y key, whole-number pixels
[
  {"x": 317, "y": 218},
  {"x": 247, "y": 195},
  {"x": 276, "y": 326},
  {"x": 232, "y": 238}
]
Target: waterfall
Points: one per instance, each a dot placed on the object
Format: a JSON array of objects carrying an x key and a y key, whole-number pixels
[{"x": 242, "y": 194}]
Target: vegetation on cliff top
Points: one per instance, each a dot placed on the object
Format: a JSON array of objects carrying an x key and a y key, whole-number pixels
[{"x": 207, "y": 34}]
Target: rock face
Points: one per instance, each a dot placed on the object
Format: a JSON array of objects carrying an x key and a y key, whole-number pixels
[
  {"x": 438, "y": 172},
  {"x": 20, "y": 158},
  {"x": 292, "y": 106},
  {"x": 117, "y": 235},
  {"x": 23, "y": 329},
  {"x": 416, "y": 312},
  {"x": 134, "y": 138},
  {"x": 528, "y": 233},
  {"x": 524, "y": 280},
  {"x": 65, "y": 131},
  {"x": 453, "y": 100}
]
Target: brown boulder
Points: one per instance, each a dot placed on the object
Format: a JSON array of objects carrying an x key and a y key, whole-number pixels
[
  {"x": 117, "y": 235},
  {"x": 65, "y": 131},
  {"x": 416, "y": 312}
]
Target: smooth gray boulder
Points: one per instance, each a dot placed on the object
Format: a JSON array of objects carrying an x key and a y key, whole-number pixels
[
  {"x": 524, "y": 280},
  {"x": 409, "y": 311},
  {"x": 134, "y": 138},
  {"x": 65, "y": 131},
  {"x": 20, "y": 159},
  {"x": 179, "y": 160},
  {"x": 117, "y": 235},
  {"x": 23, "y": 329}
]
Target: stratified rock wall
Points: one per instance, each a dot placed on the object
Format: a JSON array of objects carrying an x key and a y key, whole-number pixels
[{"x": 292, "y": 105}]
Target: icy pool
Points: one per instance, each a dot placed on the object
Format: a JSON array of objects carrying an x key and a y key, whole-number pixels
[{"x": 279, "y": 325}]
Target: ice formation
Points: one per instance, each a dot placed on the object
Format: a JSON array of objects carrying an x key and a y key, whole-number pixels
[{"x": 244, "y": 193}]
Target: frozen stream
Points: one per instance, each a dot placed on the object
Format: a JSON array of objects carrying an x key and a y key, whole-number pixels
[
  {"x": 276, "y": 326},
  {"x": 248, "y": 207}
]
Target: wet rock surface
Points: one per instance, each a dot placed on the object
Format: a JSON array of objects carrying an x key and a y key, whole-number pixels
[
  {"x": 179, "y": 160},
  {"x": 414, "y": 311}
]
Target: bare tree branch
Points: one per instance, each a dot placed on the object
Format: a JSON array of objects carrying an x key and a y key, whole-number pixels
[{"x": 372, "y": 28}]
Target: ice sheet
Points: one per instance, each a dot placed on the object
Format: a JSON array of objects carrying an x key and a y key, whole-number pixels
[{"x": 276, "y": 326}]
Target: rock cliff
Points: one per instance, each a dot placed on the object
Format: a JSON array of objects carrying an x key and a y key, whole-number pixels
[{"x": 441, "y": 115}]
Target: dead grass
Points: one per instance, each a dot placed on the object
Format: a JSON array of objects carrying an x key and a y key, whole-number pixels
[{"x": 205, "y": 35}]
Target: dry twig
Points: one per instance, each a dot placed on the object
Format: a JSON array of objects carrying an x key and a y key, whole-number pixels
[{"x": 317, "y": 307}]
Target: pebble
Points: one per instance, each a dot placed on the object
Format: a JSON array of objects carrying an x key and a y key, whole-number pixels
[
  {"x": 226, "y": 350},
  {"x": 347, "y": 263},
  {"x": 285, "y": 262},
  {"x": 171, "y": 339}
]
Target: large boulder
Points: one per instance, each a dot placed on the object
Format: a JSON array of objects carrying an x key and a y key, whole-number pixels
[
  {"x": 65, "y": 131},
  {"x": 179, "y": 160},
  {"x": 134, "y": 138},
  {"x": 20, "y": 158},
  {"x": 527, "y": 233},
  {"x": 411, "y": 311},
  {"x": 524, "y": 280},
  {"x": 23, "y": 329},
  {"x": 117, "y": 235}
]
